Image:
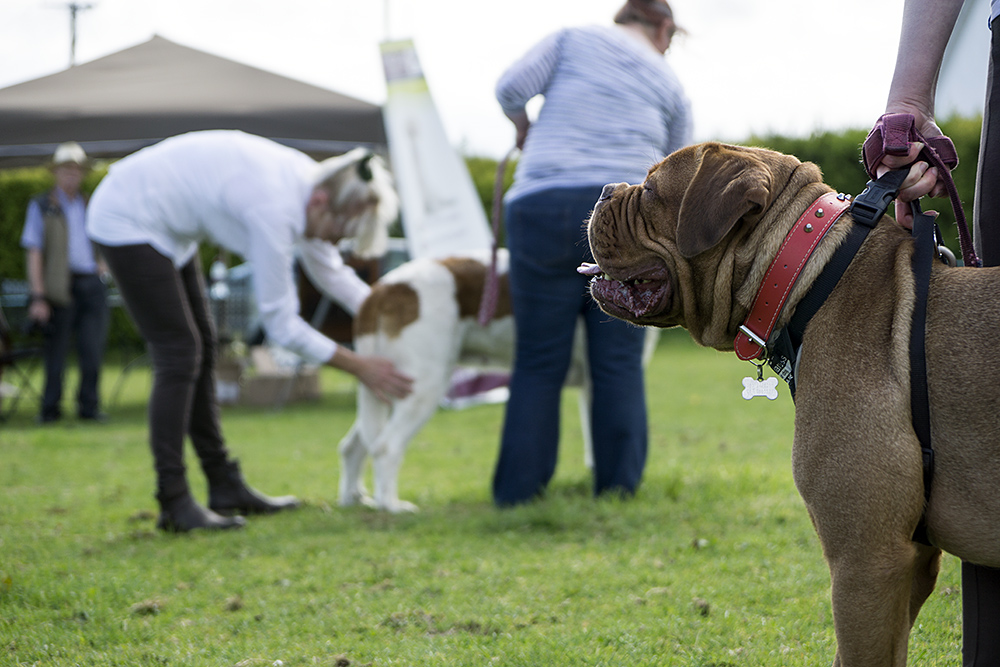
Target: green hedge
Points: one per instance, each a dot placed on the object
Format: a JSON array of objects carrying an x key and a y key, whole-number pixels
[
  {"x": 836, "y": 153},
  {"x": 17, "y": 187}
]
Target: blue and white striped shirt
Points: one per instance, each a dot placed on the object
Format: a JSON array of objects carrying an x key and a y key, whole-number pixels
[{"x": 613, "y": 108}]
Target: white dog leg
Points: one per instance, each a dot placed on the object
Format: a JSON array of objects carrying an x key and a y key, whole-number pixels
[
  {"x": 583, "y": 402},
  {"x": 408, "y": 417},
  {"x": 373, "y": 415},
  {"x": 353, "y": 454}
]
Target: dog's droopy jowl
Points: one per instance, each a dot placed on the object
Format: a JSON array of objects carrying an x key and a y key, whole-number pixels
[{"x": 690, "y": 246}]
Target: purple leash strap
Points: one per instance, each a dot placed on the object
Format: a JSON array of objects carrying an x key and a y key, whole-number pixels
[
  {"x": 892, "y": 135},
  {"x": 491, "y": 287}
]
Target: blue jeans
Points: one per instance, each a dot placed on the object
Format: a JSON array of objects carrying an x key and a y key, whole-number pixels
[{"x": 547, "y": 242}]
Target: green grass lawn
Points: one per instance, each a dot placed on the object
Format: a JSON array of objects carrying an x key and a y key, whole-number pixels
[{"x": 713, "y": 563}]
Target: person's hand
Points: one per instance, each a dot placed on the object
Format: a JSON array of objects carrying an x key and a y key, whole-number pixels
[
  {"x": 39, "y": 311},
  {"x": 381, "y": 376},
  {"x": 922, "y": 178},
  {"x": 521, "y": 124},
  {"x": 522, "y": 135}
]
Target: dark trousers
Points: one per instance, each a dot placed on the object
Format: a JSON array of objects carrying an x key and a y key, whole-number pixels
[
  {"x": 87, "y": 318},
  {"x": 170, "y": 309},
  {"x": 981, "y": 585},
  {"x": 545, "y": 236}
]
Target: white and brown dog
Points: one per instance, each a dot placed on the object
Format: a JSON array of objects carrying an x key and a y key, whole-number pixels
[{"x": 423, "y": 316}]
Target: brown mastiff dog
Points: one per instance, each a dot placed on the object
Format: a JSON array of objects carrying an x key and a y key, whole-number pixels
[{"x": 689, "y": 247}]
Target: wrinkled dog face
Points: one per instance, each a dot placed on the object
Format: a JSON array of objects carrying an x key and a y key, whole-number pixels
[
  {"x": 632, "y": 278},
  {"x": 660, "y": 245}
]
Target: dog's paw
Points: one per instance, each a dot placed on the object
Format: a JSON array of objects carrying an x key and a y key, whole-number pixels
[
  {"x": 349, "y": 500},
  {"x": 400, "y": 506}
]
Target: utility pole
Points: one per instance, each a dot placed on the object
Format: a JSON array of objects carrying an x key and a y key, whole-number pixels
[{"x": 74, "y": 8}]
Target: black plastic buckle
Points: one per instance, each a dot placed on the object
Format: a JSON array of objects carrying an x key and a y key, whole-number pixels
[{"x": 869, "y": 207}]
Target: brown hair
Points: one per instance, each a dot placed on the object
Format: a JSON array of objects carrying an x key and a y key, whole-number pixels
[{"x": 647, "y": 12}]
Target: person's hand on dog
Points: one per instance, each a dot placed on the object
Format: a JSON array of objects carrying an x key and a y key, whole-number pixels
[{"x": 378, "y": 374}]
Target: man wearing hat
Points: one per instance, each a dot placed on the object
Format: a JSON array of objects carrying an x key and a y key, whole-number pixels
[{"x": 67, "y": 293}]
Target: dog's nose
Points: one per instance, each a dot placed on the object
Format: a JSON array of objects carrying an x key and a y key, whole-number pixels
[{"x": 608, "y": 190}]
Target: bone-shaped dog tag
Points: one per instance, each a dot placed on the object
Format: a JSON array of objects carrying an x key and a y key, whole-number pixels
[{"x": 767, "y": 388}]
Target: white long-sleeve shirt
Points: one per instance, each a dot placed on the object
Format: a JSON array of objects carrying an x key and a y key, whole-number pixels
[
  {"x": 240, "y": 192},
  {"x": 613, "y": 108}
]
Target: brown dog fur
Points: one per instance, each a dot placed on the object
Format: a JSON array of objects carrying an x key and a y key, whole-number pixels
[{"x": 707, "y": 221}]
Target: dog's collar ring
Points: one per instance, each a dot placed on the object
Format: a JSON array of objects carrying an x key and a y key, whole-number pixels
[{"x": 754, "y": 338}]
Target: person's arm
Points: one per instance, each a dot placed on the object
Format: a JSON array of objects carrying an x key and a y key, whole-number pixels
[
  {"x": 326, "y": 268},
  {"x": 926, "y": 28},
  {"x": 526, "y": 78},
  {"x": 32, "y": 240},
  {"x": 521, "y": 126},
  {"x": 38, "y": 308},
  {"x": 270, "y": 254}
]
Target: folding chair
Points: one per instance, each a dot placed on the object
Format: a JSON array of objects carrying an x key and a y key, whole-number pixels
[{"x": 16, "y": 363}]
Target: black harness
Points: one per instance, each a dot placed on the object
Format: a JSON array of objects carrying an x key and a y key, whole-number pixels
[{"x": 866, "y": 210}]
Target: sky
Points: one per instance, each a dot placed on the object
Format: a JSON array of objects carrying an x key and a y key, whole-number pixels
[{"x": 748, "y": 66}]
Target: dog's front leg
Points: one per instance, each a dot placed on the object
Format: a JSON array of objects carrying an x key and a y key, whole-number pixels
[
  {"x": 878, "y": 590},
  {"x": 926, "y": 569}
]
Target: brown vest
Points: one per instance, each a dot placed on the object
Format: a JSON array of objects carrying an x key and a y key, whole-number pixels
[{"x": 55, "y": 251}]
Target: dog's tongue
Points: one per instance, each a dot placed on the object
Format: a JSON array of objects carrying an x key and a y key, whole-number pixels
[{"x": 588, "y": 269}]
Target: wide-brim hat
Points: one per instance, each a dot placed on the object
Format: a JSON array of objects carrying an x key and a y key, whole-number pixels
[{"x": 70, "y": 153}]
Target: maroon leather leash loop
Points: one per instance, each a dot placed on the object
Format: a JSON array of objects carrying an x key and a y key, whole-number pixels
[
  {"x": 491, "y": 286},
  {"x": 892, "y": 135}
]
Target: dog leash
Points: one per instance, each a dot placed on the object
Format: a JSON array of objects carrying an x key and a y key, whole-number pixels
[
  {"x": 892, "y": 135},
  {"x": 924, "y": 245},
  {"x": 491, "y": 287}
]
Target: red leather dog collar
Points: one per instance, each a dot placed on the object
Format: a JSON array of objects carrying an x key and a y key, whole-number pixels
[{"x": 795, "y": 251}]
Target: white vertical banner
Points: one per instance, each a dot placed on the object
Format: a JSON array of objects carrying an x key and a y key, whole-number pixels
[{"x": 442, "y": 214}]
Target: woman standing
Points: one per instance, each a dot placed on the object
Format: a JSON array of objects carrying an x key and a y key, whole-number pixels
[{"x": 612, "y": 109}]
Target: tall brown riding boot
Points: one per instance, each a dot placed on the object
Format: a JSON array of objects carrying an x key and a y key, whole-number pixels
[{"x": 228, "y": 493}]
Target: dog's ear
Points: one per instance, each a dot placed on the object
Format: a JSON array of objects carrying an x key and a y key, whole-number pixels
[
  {"x": 728, "y": 186},
  {"x": 365, "y": 167}
]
